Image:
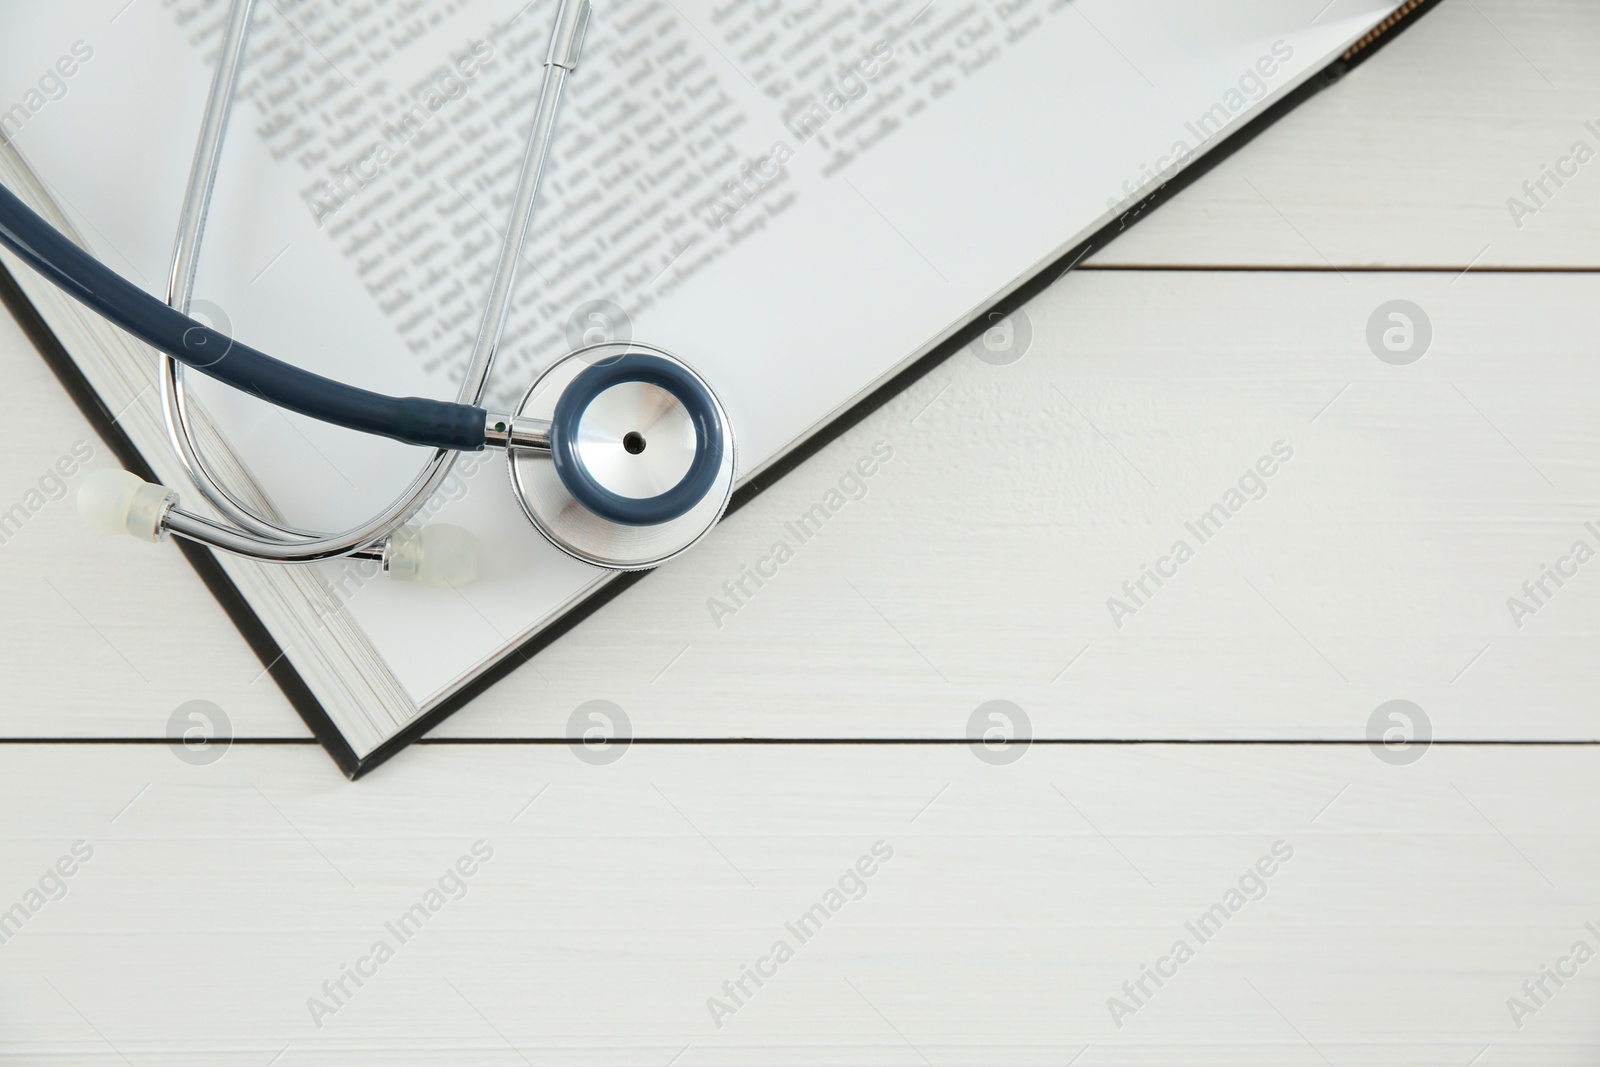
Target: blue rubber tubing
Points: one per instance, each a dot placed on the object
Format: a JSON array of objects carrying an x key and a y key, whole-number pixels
[
  {"x": 413, "y": 420},
  {"x": 580, "y": 482}
]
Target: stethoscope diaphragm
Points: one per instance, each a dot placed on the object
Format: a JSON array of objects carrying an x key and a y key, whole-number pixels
[{"x": 641, "y": 457}]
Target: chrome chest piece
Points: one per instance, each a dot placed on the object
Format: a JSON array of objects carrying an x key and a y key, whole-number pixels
[{"x": 638, "y": 455}]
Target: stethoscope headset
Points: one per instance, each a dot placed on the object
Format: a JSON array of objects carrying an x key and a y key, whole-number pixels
[{"x": 619, "y": 453}]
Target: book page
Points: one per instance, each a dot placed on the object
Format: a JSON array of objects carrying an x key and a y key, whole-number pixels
[{"x": 796, "y": 198}]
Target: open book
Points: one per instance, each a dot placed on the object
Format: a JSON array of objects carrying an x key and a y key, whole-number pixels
[{"x": 807, "y": 201}]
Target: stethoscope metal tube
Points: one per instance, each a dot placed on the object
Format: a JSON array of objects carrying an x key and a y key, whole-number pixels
[
  {"x": 180, "y": 289},
  {"x": 180, "y": 286},
  {"x": 265, "y": 538},
  {"x": 619, "y": 454}
]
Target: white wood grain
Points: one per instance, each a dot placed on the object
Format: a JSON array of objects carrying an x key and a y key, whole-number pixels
[
  {"x": 1378, "y": 565},
  {"x": 1017, "y": 901},
  {"x": 1411, "y": 159},
  {"x": 979, "y": 563},
  {"x": 100, "y": 635},
  {"x": 1020, "y": 897}
]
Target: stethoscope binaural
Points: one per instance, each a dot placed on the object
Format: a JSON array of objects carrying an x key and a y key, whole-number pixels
[{"x": 619, "y": 453}]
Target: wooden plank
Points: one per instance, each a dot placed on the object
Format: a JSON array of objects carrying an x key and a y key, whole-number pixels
[
  {"x": 619, "y": 898},
  {"x": 1412, "y": 159},
  {"x": 978, "y": 562},
  {"x": 100, "y": 635}
]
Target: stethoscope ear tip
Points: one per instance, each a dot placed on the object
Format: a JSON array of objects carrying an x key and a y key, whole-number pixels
[
  {"x": 115, "y": 501},
  {"x": 438, "y": 555}
]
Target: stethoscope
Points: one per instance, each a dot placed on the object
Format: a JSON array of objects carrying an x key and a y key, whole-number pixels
[{"x": 619, "y": 453}]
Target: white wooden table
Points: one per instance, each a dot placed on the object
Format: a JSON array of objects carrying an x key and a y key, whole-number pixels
[{"x": 613, "y": 910}]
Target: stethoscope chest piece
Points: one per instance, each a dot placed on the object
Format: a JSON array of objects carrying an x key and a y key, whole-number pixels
[
  {"x": 641, "y": 456},
  {"x": 620, "y": 454}
]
